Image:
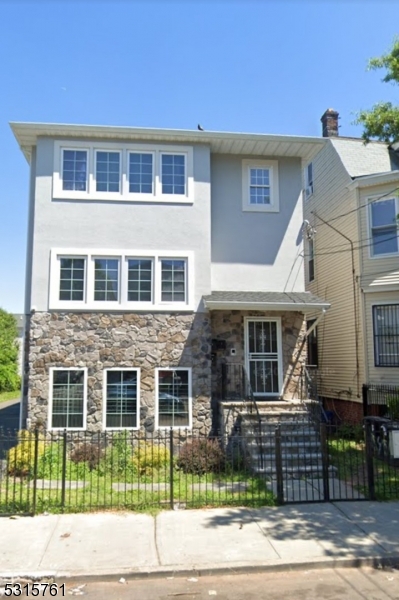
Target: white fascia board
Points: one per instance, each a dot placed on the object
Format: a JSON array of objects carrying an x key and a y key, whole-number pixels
[
  {"x": 287, "y": 306},
  {"x": 372, "y": 180}
]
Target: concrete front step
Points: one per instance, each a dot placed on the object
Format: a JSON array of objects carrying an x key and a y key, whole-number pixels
[
  {"x": 306, "y": 458},
  {"x": 300, "y": 445},
  {"x": 293, "y": 472}
]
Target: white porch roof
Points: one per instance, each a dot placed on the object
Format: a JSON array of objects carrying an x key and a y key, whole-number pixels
[{"x": 287, "y": 301}]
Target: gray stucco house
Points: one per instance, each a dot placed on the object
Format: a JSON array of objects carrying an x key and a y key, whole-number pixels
[{"x": 157, "y": 259}]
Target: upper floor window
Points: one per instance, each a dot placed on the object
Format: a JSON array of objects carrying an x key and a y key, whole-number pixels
[
  {"x": 123, "y": 171},
  {"x": 386, "y": 335},
  {"x": 260, "y": 185},
  {"x": 384, "y": 226},
  {"x": 308, "y": 180},
  {"x": 74, "y": 170},
  {"x": 121, "y": 280},
  {"x": 107, "y": 171},
  {"x": 173, "y": 174}
]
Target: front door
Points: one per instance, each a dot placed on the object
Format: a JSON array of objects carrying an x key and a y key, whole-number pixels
[{"x": 263, "y": 356}]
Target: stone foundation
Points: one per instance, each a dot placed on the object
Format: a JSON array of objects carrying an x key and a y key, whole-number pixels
[
  {"x": 99, "y": 341},
  {"x": 228, "y": 325}
]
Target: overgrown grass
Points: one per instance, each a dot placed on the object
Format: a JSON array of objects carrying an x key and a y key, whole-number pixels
[{"x": 5, "y": 396}]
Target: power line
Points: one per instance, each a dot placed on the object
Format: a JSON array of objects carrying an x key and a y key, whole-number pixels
[{"x": 349, "y": 249}]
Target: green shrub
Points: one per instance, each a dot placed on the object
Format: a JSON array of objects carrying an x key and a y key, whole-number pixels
[
  {"x": 87, "y": 453},
  {"x": 348, "y": 431},
  {"x": 21, "y": 458},
  {"x": 117, "y": 457},
  {"x": 9, "y": 350},
  {"x": 393, "y": 407},
  {"x": 50, "y": 462},
  {"x": 149, "y": 458},
  {"x": 201, "y": 456}
]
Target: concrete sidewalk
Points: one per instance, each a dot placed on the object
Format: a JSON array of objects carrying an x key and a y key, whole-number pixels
[{"x": 107, "y": 545}]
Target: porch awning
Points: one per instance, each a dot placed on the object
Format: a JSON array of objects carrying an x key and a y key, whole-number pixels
[{"x": 295, "y": 301}]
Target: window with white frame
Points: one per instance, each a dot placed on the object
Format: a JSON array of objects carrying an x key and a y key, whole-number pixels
[
  {"x": 310, "y": 260},
  {"x": 386, "y": 335},
  {"x": 308, "y": 180},
  {"x": 139, "y": 279},
  {"x": 106, "y": 279},
  {"x": 108, "y": 171},
  {"x": 173, "y": 397},
  {"x": 121, "y": 391},
  {"x": 72, "y": 279},
  {"x": 141, "y": 173},
  {"x": 68, "y": 398},
  {"x": 123, "y": 171},
  {"x": 384, "y": 226},
  {"x": 125, "y": 280},
  {"x": 173, "y": 280},
  {"x": 74, "y": 170},
  {"x": 173, "y": 173},
  {"x": 260, "y": 188}
]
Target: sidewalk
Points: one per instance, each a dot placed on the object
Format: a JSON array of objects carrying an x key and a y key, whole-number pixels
[{"x": 107, "y": 545}]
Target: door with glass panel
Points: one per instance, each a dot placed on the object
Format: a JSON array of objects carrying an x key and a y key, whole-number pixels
[{"x": 263, "y": 356}]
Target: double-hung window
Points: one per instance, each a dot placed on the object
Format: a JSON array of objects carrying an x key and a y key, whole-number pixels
[
  {"x": 173, "y": 281},
  {"x": 386, "y": 335},
  {"x": 173, "y": 389},
  {"x": 121, "y": 391},
  {"x": 173, "y": 173},
  {"x": 384, "y": 227},
  {"x": 106, "y": 279},
  {"x": 108, "y": 166},
  {"x": 311, "y": 260},
  {"x": 141, "y": 173},
  {"x": 308, "y": 180},
  {"x": 68, "y": 398},
  {"x": 72, "y": 279},
  {"x": 140, "y": 280},
  {"x": 74, "y": 170},
  {"x": 260, "y": 188}
]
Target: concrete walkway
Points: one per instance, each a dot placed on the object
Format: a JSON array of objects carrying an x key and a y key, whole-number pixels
[{"x": 103, "y": 545}]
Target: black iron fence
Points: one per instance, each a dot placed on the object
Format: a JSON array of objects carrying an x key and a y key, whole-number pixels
[
  {"x": 83, "y": 471},
  {"x": 381, "y": 401}
]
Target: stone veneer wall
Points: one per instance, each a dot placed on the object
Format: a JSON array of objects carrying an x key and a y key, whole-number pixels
[
  {"x": 98, "y": 341},
  {"x": 228, "y": 325}
]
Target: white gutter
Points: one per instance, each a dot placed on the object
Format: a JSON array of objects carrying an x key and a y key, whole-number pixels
[{"x": 370, "y": 180}]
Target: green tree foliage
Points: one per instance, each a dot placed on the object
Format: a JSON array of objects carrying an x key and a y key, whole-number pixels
[
  {"x": 382, "y": 120},
  {"x": 9, "y": 378}
]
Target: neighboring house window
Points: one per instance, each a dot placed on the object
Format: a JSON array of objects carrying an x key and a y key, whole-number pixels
[
  {"x": 173, "y": 174},
  {"x": 121, "y": 398},
  {"x": 386, "y": 335},
  {"x": 106, "y": 279},
  {"x": 68, "y": 398},
  {"x": 173, "y": 280},
  {"x": 309, "y": 180},
  {"x": 310, "y": 260},
  {"x": 313, "y": 353},
  {"x": 113, "y": 171},
  {"x": 139, "y": 280},
  {"x": 107, "y": 171},
  {"x": 72, "y": 279},
  {"x": 174, "y": 397},
  {"x": 102, "y": 279},
  {"x": 384, "y": 227},
  {"x": 140, "y": 173},
  {"x": 260, "y": 185},
  {"x": 74, "y": 170}
]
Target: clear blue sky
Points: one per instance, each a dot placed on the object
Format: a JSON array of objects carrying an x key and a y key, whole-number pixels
[{"x": 252, "y": 66}]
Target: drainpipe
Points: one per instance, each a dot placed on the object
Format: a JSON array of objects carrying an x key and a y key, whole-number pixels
[{"x": 354, "y": 296}]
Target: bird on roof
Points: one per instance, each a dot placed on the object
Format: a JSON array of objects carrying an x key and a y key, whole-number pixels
[{"x": 200, "y": 128}]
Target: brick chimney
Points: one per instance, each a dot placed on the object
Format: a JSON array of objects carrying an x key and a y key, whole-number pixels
[{"x": 330, "y": 123}]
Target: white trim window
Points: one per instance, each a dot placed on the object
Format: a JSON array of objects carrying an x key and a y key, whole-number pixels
[
  {"x": 173, "y": 280},
  {"x": 308, "y": 176},
  {"x": 121, "y": 280},
  {"x": 72, "y": 279},
  {"x": 124, "y": 172},
  {"x": 173, "y": 398},
  {"x": 386, "y": 335},
  {"x": 122, "y": 398},
  {"x": 106, "y": 279},
  {"x": 68, "y": 398},
  {"x": 260, "y": 186},
  {"x": 108, "y": 171},
  {"x": 74, "y": 170},
  {"x": 384, "y": 227}
]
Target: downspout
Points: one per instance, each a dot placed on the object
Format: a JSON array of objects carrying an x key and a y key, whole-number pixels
[{"x": 355, "y": 311}]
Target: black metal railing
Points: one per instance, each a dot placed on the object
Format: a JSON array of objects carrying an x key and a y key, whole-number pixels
[
  {"x": 381, "y": 401},
  {"x": 310, "y": 393}
]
